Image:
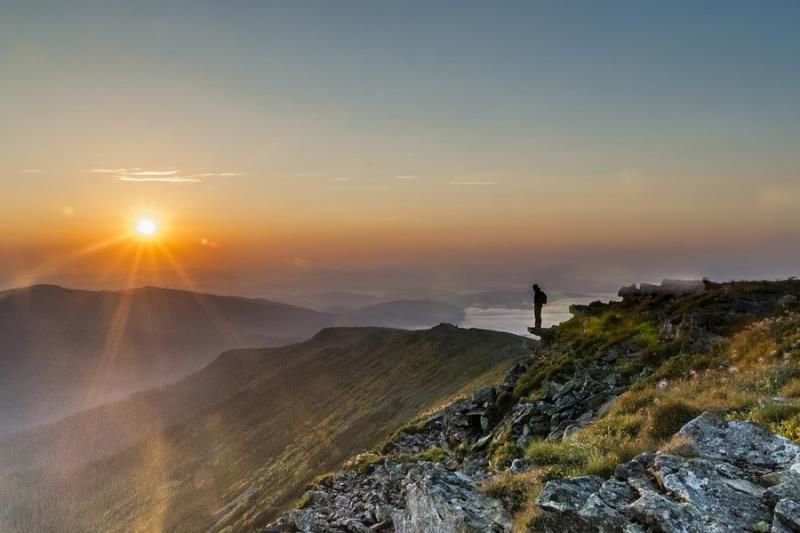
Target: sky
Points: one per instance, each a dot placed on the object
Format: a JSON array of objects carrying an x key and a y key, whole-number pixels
[{"x": 290, "y": 146}]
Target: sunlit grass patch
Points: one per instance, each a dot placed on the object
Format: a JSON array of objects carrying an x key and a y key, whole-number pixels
[
  {"x": 502, "y": 455},
  {"x": 513, "y": 489},
  {"x": 680, "y": 445},
  {"x": 774, "y": 413},
  {"x": 791, "y": 389},
  {"x": 363, "y": 462}
]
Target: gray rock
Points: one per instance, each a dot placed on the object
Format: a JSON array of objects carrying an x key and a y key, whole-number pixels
[
  {"x": 484, "y": 396},
  {"x": 743, "y": 473},
  {"x": 605, "y": 509},
  {"x": 787, "y": 514},
  {"x": 448, "y": 502},
  {"x": 519, "y": 465},
  {"x": 659, "y": 513},
  {"x": 568, "y": 495},
  {"x": 751, "y": 447},
  {"x": 696, "y": 481}
]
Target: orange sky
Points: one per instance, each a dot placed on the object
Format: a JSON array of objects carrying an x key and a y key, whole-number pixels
[{"x": 603, "y": 144}]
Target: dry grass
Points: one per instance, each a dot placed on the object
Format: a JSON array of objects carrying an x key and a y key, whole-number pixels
[
  {"x": 518, "y": 493},
  {"x": 680, "y": 445}
]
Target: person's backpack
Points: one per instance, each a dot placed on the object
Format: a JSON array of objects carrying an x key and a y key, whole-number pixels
[{"x": 544, "y": 297}]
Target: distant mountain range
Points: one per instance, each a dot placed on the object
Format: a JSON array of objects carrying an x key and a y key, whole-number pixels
[
  {"x": 409, "y": 313},
  {"x": 229, "y": 447},
  {"x": 64, "y": 350}
]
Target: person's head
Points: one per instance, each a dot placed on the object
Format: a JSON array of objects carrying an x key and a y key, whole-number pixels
[{"x": 536, "y": 287}]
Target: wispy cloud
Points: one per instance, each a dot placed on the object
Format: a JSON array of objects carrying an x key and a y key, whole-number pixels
[
  {"x": 142, "y": 175},
  {"x": 113, "y": 170},
  {"x": 309, "y": 174},
  {"x": 31, "y": 170},
  {"x": 158, "y": 179},
  {"x": 474, "y": 182},
  {"x": 406, "y": 177},
  {"x": 153, "y": 173},
  {"x": 212, "y": 174},
  {"x": 342, "y": 179}
]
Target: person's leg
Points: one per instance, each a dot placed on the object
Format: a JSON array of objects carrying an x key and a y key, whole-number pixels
[{"x": 537, "y": 315}]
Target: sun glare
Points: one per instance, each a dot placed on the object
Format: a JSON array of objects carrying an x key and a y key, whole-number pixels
[{"x": 146, "y": 227}]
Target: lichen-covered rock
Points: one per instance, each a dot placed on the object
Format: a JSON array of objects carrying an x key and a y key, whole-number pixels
[
  {"x": 351, "y": 502},
  {"x": 742, "y": 477},
  {"x": 568, "y": 495},
  {"x": 447, "y": 502},
  {"x": 787, "y": 515},
  {"x": 755, "y": 450}
]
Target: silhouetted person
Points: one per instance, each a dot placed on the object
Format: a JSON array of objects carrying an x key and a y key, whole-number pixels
[{"x": 539, "y": 299}]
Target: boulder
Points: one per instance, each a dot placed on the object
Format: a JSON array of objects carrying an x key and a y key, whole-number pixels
[
  {"x": 787, "y": 515},
  {"x": 754, "y": 449},
  {"x": 447, "y": 502},
  {"x": 743, "y": 478}
]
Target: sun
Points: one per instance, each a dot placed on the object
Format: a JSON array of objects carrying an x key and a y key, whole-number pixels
[{"x": 146, "y": 228}]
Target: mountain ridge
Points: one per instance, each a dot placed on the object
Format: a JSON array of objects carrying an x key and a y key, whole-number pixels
[
  {"x": 666, "y": 411},
  {"x": 341, "y": 391}
]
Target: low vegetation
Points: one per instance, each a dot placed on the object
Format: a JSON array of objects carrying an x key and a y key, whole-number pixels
[{"x": 751, "y": 373}]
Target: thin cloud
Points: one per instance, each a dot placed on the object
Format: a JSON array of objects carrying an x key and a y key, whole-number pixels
[
  {"x": 342, "y": 179},
  {"x": 212, "y": 174},
  {"x": 153, "y": 173},
  {"x": 406, "y": 177},
  {"x": 113, "y": 170},
  {"x": 309, "y": 174},
  {"x": 158, "y": 179},
  {"x": 474, "y": 182},
  {"x": 140, "y": 175},
  {"x": 31, "y": 170}
]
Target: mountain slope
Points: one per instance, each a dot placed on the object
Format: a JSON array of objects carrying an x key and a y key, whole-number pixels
[
  {"x": 64, "y": 349},
  {"x": 238, "y": 462},
  {"x": 663, "y": 412}
]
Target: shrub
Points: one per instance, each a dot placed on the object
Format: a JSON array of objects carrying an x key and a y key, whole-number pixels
[
  {"x": 434, "y": 455},
  {"x": 514, "y": 490},
  {"x": 788, "y": 428},
  {"x": 774, "y": 413},
  {"x": 634, "y": 400},
  {"x": 667, "y": 417},
  {"x": 505, "y": 401},
  {"x": 546, "y": 453},
  {"x": 504, "y": 454}
]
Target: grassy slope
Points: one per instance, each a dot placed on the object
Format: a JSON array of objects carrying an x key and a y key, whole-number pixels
[
  {"x": 64, "y": 349},
  {"x": 753, "y": 373},
  {"x": 238, "y": 463}
]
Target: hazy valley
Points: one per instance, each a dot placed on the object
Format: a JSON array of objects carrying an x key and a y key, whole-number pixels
[{"x": 236, "y": 442}]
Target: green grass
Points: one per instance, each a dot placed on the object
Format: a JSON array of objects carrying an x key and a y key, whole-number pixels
[
  {"x": 501, "y": 456},
  {"x": 737, "y": 378}
]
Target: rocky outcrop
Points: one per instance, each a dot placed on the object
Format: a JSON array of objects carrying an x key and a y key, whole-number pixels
[
  {"x": 564, "y": 409},
  {"x": 732, "y": 476},
  {"x": 401, "y": 497},
  {"x": 447, "y": 502},
  {"x": 403, "y": 492},
  {"x": 351, "y": 501},
  {"x": 742, "y": 478},
  {"x": 670, "y": 287}
]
